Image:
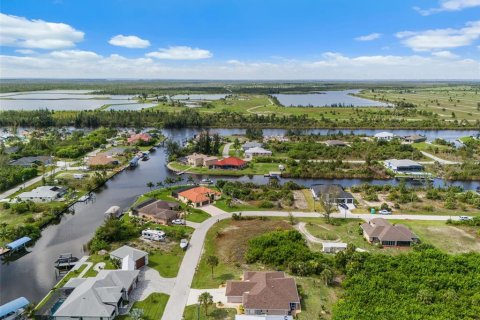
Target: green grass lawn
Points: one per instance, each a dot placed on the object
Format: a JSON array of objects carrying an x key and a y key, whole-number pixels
[
  {"x": 153, "y": 306},
  {"x": 166, "y": 263},
  {"x": 449, "y": 238},
  {"x": 197, "y": 215},
  {"x": 96, "y": 258},
  {"x": 317, "y": 300},
  {"x": 70, "y": 275},
  {"x": 254, "y": 168},
  {"x": 214, "y": 313}
]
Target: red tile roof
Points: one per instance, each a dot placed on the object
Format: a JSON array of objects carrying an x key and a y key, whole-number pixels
[
  {"x": 198, "y": 194},
  {"x": 140, "y": 136},
  {"x": 230, "y": 162}
]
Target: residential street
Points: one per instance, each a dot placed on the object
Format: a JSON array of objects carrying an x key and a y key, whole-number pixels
[
  {"x": 226, "y": 149},
  {"x": 181, "y": 290}
]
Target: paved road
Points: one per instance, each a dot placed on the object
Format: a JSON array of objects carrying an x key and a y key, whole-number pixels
[
  {"x": 28, "y": 183},
  {"x": 441, "y": 161},
  {"x": 181, "y": 290},
  {"x": 226, "y": 149}
]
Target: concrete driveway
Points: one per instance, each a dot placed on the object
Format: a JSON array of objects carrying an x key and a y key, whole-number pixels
[
  {"x": 217, "y": 294},
  {"x": 150, "y": 281}
]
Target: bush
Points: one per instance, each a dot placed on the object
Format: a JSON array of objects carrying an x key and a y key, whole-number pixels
[{"x": 266, "y": 204}]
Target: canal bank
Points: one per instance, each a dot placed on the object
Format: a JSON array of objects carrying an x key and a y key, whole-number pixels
[{"x": 33, "y": 275}]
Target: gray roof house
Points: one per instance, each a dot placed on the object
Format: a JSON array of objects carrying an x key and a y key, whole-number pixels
[
  {"x": 101, "y": 297},
  {"x": 403, "y": 165},
  {"x": 379, "y": 230},
  {"x": 131, "y": 258},
  {"x": 336, "y": 143},
  {"x": 43, "y": 194},
  {"x": 332, "y": 190},
  {"x": 251, "y": 144},
  {"x": 30, "y": 161}
]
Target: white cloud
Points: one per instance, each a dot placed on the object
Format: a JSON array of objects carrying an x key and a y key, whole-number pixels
[
  {"x": 180, "y": 53},
  {"x": 25, "y": 51},
  {"x": 449, "y": 5},
  {"x": 332, "y": 65},
  {"x": 438, "y": 39},
  {"x": 444, "y": 54},
  {"x": 369, "y": 37},
  {"x": 36, "y": 34},
  {"x": 129, "y": 41}
]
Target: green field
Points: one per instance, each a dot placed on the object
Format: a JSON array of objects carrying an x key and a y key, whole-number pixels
[
  {"x": 254, "y": 168},
  {"x": 462, "y": 100}
]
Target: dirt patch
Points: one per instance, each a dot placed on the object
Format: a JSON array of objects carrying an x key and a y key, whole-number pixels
[
  {"x": 299, "y": 200},
  {"x": 231, "y": 242}
]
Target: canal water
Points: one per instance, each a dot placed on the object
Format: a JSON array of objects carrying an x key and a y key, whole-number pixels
[{"x": 33, "y": 274}]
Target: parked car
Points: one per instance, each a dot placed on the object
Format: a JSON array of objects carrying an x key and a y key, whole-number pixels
[
  {"x": 343, "y": 205},
  {"x": 464, "y": 218},
  {"x": 385, "y": 212},
  {"x": 184, "y": 244},
  {"x": 178, "y": 222}
]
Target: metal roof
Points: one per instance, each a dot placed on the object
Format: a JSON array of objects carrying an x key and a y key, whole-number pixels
[
  {"x": 18, "y": 243},
  {"x": 13, "y": 306}
]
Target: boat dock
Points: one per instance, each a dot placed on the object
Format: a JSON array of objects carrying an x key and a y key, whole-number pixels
[{"x": 16, "y": 245}]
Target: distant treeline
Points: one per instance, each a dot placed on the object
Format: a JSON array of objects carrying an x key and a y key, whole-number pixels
[
  {"x": 190, "y": 118},
  {"x": 163, "y": 87}
]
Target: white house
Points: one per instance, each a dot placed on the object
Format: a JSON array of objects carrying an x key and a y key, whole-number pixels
[
  {"x": 257, "y": 152},
  {"x": 386, "y": 136},
  {"x": 139, "y": 257},
  {"x": 43, "y": 194},
  {"x": 333, "y": 247},
  {"x": 403, "y": 165}
]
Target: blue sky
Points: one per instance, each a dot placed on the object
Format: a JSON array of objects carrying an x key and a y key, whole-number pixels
[{"x": 244, "y": 39}]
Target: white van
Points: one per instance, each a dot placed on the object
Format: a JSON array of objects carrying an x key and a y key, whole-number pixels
[{"x": 154, "y": 235}]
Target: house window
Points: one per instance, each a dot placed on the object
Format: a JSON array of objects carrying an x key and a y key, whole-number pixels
[{"x": 293, "y": 306}]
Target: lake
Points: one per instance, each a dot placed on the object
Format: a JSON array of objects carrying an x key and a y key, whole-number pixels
[
  {"x": 60, "y": 100},
  {"x": 326, "y": 99}
]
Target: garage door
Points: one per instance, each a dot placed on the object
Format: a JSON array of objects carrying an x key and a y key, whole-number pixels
[{"x": 140, "y": 263}]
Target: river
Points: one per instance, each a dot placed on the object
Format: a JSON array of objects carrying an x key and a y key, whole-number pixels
[{"x": 33, "y": 275}]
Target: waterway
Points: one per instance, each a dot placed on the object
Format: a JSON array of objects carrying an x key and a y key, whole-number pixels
[{"x": 33, "y": 275}]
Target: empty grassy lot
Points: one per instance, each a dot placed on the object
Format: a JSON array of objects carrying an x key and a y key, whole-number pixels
[
  {"x": 228, "y": 240},
  {"x": 254, "y": 168},
  {"x": 462, "y": 100},
  {"x": 453, "y": 239}
]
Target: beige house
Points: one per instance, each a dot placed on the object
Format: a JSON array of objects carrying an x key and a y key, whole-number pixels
[
  {"x": 265, "y": 293},
  {"x": 379, "y": 230},
  {"x": 201, "y": 160}
]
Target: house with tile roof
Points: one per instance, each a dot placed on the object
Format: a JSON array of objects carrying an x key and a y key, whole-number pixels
[
  {"x": 197, "y": 196},
  {"x": 139, "y": 137},
  {"x": 265, "y": 293},
  {"x": 229, "y": 163},
  {"x": 160, "y": 211},
  {"x": 379, "y": 230}
]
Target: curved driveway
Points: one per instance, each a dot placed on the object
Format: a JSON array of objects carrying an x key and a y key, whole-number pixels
[{"x": 181, "y": 289}]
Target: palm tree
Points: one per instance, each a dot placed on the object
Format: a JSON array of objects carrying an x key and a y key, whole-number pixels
[
  {"x": 150, "y": 185},
  {"x": 136, "y": 314},
  {"x": 190, "y": 179},
  {"x": 212, "y": 261},
  {"x": 159, "y": 184},
  {"x": 206, "y": 300},
  {"x": 327, "y": 275}
]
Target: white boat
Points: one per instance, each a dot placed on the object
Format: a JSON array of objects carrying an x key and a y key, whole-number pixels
[
  {"x": 113, "y": 211},
  {"x": 206, "y": 182}
]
